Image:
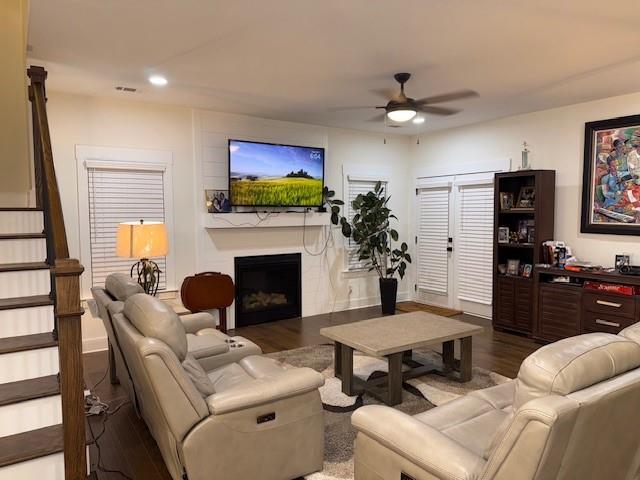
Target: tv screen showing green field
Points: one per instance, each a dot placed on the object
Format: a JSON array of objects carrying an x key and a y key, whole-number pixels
[{"x": 264, "y": 174}]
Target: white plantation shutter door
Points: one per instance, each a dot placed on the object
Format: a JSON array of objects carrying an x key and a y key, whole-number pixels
[
  {"x": 475, "y": 243},
  {"x": 356, "y": 187},
  {"x": 433, "y": 235},
  {"x": 121, "y": 195}
]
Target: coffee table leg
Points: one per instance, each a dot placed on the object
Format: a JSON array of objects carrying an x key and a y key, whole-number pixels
[
  {"x": 337, "y": 359},
  {"x": 346, "y": 369},
  {"x": 466, "y": 350},
  {"x": 448, "y": 356},
  {"x": 394, "y": 388}
]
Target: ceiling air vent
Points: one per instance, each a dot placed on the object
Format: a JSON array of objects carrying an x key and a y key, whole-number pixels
[{"x": 126, "y": 89}]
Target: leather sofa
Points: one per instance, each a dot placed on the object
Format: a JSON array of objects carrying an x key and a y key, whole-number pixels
[
  {"x": 250, "y": 419},
  {"x": 573, "y": 412},
  {"x": 207, "y": 344}
]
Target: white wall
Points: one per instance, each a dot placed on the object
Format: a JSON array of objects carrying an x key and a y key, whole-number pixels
[
  {"x": 197, "y": 140},
  {"x": 325, "y": 285},
  {"x": 81, "y": 120},
  {"x": 556, "y": 139}
]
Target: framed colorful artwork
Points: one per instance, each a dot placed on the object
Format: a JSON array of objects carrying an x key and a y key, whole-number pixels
[{"x": 611, "y": 177}]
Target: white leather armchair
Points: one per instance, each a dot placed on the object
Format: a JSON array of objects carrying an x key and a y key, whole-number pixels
[
  {"x": 251, "y": 419},
  {"x": 572, "y": 413}
]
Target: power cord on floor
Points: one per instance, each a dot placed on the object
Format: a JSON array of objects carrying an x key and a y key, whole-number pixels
[{"x": 95, "y": 407}]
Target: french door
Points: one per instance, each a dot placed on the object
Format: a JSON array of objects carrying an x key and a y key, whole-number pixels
[{"x": 454, "y": 242}]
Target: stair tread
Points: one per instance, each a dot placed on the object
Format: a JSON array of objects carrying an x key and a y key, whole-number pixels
[
  {"x": 29, "y": 445},
  {"x": 16, "y": 267},
  {"x": 21, "y": 236},
  {"x": 27, "y": 342},
  {"x": 20, "y": 209},
  {"x": 25, "y": 302},
  {"x": 30, "y": 389}
]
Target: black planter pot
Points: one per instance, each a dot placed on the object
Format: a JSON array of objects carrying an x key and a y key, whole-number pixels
[{"x": 388, "y": 294}]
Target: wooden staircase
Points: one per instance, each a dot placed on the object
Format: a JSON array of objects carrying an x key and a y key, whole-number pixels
[{"x": 42, "y": 420}]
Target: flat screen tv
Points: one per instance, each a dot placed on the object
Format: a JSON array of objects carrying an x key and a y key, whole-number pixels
[{"x": 268, "y": 174}]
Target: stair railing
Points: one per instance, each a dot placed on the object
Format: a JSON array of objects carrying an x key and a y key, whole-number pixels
[{"x": 65, "y": 284}]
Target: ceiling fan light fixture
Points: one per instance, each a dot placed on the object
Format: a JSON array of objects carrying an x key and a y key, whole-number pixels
[
  {"x": 401, "y": 115},
  {"x": 418, "y": 120}
]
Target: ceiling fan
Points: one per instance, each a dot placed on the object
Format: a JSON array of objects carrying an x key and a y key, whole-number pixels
[{"x": 401, "y": 108}]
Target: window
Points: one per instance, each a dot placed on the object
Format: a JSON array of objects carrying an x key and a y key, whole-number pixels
[
  {"x": 121, "y": 195},
  {"x": 354, "y": 186},
  {"x": 432, "y": 239},
  {"x": 118, "y": 185},
  {"x": 475, "y": 243}
]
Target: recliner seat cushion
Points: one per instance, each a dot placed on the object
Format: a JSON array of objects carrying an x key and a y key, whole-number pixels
[
  {"x": 574, "y": 363},
  {"x": 121, "y": 286},
  {"x": 153, "y": 318}
]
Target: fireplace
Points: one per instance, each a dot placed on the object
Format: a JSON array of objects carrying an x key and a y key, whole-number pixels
[{"x": 268, "y": 287}]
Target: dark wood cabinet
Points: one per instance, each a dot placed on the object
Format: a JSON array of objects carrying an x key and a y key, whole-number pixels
[
  {"x": 566, "y": 309},
  {"x": 513, "y": 295}
]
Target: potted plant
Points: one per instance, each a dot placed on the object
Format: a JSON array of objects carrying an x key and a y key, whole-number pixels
[{"x": 370, "y": 229}]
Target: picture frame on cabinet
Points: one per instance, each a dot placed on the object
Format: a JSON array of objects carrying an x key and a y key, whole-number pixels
[
  {"x": 513, "y": 267},
  {"x": 503, "y": 234}
]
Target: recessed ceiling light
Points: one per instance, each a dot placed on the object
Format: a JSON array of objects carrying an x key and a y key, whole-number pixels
[
  {"x": 418, "y": 120},
  {"x": 158, "y": 80}
]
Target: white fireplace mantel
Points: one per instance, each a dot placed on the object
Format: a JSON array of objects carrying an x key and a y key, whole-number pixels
[{"x": 265, "y": 220}]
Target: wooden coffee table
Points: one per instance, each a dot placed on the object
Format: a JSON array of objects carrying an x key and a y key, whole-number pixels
[{"x": 394, "y": 337}]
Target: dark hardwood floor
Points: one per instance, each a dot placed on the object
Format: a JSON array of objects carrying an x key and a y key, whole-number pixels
[{"x": 127, "y": 445}]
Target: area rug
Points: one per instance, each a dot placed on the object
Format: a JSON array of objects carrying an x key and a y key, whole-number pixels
[
  {"x": 423, "y": 307},
  {"x": 419, "y": 394}
]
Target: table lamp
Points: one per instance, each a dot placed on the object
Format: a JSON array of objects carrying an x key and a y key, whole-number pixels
[{"x": 143, "y": 240}]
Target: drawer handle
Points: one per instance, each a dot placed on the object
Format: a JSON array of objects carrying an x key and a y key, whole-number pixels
[
  {"x": 608, "y": 324},
  {"x": 608, "y": 304}
]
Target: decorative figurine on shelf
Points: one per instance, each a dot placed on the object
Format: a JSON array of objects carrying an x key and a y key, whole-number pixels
[{"x": 525, "y": 158}]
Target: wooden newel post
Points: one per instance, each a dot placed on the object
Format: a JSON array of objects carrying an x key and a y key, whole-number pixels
[{"x": 68, "y": 313}]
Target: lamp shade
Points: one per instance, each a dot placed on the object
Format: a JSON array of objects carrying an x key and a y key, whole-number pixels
[{"x": 142, "y": 240}]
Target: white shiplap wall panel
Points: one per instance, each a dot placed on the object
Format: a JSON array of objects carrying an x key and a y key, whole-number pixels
[
  {"x": 433, "y": 233},
  {"x": 475, "y": 243}
]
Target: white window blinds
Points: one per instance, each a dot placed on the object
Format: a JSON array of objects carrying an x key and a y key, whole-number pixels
[
  {"x": 475, "y": 243},
  {"x": 121, "y": 195},
  {"x": 433, "y": 233},
  {"x": 355, "y": 188}
]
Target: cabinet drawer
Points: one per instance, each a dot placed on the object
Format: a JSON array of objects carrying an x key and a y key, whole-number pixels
[
  {"x": 609, "y": 304},
  {"x": 599, "y": 322},
  {"x": 559, "y": 315}
]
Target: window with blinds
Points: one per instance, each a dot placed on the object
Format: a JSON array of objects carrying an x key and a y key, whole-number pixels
[
  {"x": 355, "y": 188},
  {"x": 475, "y": 243},
  {"x": 432, "y": 239},
  {"x": 121, "y": 195}
]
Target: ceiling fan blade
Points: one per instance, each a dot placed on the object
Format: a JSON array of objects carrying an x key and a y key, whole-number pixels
[
  {"x": 447, "y": 97},
  {"x": 377, "y": 118},
  {"x": 355, "y": 107},
  {"x": 437, "y": 110},
  {"x": 387, "y": 93}
]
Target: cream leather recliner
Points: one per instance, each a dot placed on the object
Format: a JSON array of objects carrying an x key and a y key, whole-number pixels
[
  {"x": 207, "y": 344},
  {"x": 573, "y": 412},
  {"x": 254, "y": 419}
]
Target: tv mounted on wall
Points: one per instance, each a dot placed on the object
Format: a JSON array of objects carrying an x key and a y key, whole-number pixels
[{"x": 274, "y": 175}]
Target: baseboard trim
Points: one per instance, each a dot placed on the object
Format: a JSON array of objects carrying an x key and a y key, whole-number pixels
[{"x": 95, "y": 344}]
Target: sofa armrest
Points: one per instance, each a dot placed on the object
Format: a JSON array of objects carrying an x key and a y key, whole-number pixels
[
  {"x": 260, "y": 391},
  {"x": 194, "y": 322},
  {"x": 417, "y": 442}
]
